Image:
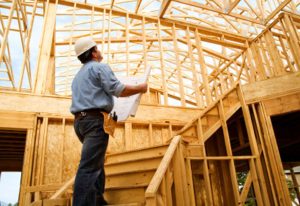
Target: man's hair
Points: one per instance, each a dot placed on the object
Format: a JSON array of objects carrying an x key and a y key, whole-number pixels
[{"x": 86, "y": 56}]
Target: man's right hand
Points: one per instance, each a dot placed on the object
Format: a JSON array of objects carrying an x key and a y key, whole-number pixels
[
  {"x": 134, "y": 89},
  {"x": 143, "y": 87}
]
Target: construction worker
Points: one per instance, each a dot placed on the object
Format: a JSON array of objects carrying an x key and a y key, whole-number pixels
[{"x": 93, "y": 89}]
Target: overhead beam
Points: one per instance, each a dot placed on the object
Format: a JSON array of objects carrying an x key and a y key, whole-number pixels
[
  {"x": 276, "y": 11},
  {"x": 26, "y": 105},
  {"x": 272, "y": 88},
  {"x": 209, "y": 8},
  {"x": 164, "y": 22},
  {"x": 117, "y": 40},
  {"x": 164, "y": 6},
  {"x": 231, "y": 6}
]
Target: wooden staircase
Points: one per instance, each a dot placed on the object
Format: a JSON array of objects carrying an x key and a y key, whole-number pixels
[
  {"x": 140, "y": 177},
  {"x": 210, "y": 120},
  {"x": 127, "y": 176},
  {"x": 129, "y": 173}
]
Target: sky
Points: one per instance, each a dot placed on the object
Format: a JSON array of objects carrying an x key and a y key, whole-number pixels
[{"x": 10, "y": 186}]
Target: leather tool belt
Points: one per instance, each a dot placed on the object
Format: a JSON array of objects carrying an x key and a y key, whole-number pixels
[{"x": 109, "y": 121}]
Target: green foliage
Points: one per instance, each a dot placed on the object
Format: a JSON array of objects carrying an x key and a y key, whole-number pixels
[
  {"x": 291, "y": 189},
  {"x": 241, "y": 178},
  {"x": 250, "y": 202},
  {"x": 10, "y": 204}
]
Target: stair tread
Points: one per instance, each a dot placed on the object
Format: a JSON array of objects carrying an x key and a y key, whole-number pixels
[
  {"x": 128, "y": 172},
  {"x": 129, "y": 204},
  {"x": 125, "y": 187},
  {"x": 133, "y": 160},
  {"x": 136, "y": 150}
]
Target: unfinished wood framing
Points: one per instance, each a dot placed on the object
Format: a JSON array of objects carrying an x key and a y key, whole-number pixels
[{"x": 223, "y": 73}]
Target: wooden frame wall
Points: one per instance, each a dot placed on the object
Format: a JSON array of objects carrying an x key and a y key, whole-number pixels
[
  {"x": 192, "y": 65},
  {"x": 212, "y": 158}
]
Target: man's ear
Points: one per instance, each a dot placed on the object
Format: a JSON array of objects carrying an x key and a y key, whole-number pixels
[{"x": 94, "y": 54}]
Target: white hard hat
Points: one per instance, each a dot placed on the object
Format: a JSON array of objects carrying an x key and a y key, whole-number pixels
[{"x": 83, "y": 44}]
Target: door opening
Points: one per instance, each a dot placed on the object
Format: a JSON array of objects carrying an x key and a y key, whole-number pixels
[{"x": 12, "y": 148}]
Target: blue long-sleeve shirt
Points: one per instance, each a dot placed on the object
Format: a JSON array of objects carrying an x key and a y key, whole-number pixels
[{"x": 94, "y": 87}]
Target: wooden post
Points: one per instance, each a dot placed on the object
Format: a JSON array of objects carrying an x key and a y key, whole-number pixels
[
  {"x": 28, "y": 162},
  {"x": 268, "y": 69},
  {"x": 127, "y": 44},
  {"x": 287, "y": 56},
  {"x": 196, "y": 84},
  {"x": 273, "y": 52},
  {"x": 203, "y": 69},
  {"x": 258, "y": 60},
  {"x": 255, "y": 152},
  {"x": 229, "y": 153},
  {"x": 292, "y": 37},
  {"x": 163, "y": 73},
  {"x": 145, "y": 56},
  {"x": 295, "y": 183},
  {"x": 274, "y": 157},
  {"x": 109, "y": 36},
  {"x": 178, "y": 181},
  {"x": 178, "y": 66},
  {"x": 26, "y": 50},
  {"x": 128, "y": 135},
  {"x": 190, "y": 183},
  {"x": 7, "y": 29},
  {"x": 271, "y": 193},
  {"x": 103, "y": 31},
  {"x": 46, "y": 45}
]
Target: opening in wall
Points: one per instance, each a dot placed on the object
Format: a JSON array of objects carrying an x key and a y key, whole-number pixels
[{"x": 12, "y": 148}]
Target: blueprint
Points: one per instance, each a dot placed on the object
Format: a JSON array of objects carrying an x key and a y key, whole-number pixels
[{"x": 127, "y": 106}]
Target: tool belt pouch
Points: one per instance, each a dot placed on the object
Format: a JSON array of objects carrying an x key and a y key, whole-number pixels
[{"x": 109, "y": 124}]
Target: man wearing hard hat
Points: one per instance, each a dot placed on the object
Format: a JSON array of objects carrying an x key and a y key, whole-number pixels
[{"x": 93, "y": 89}]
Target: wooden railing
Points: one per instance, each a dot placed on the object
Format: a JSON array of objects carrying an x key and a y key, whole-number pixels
[{"x": 169, "y": 178}]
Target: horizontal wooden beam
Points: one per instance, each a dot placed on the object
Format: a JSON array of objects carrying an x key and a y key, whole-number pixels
[
  {"x": 283, "y": 104},
  {"x": 118, "y": 40},
  {"x": 10, "y": 119},
  {"x": 25, "y": 104},
  {"x": 218, "y": 11},
  {"x": 272, "y": 88},
  {"x": 164, "y": 22}
]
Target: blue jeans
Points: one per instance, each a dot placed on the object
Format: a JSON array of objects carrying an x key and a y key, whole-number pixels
[{"x": 90, "y": 177}]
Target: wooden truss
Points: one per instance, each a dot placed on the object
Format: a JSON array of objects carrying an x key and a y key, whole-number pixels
[
  {"x": 192, "y": 63},
  {"x": 220, "y": 70}
]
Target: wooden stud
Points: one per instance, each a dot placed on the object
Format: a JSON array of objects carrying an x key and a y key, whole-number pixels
[
  {"x": 229, "y": 152},
  {"x": 253, "y": 145},
  {"x": 128, "y": 136},
  {"x": 190, "y": 182},
  {"x": 178, "y": 66},
  {"x": 293, "y": 38},
  {"x": 6, "y": 32},
  {"x": 266, "y": 159},
  {"x": 45, "y": 49},
  {"x": 26, "y": 50},
  {"x": 127, "y": 44},
  {"x": 287, "y": 57},
  {"x": 276, "y": 167},
  {"x": 196, "y": 84},
  {"x": 163, "y": 73},
  {"x": 273, "y": 52}
]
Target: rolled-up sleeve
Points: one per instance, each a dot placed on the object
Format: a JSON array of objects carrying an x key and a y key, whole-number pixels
[{"x": 109, "y": 82}]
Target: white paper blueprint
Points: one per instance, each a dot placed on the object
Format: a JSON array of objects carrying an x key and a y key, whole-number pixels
[{"x": 127, "y": 106}]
